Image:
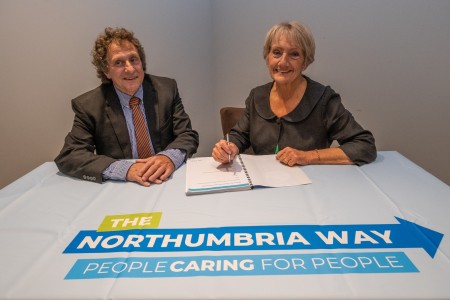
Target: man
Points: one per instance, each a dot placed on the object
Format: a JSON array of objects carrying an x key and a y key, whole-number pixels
[{"x": 105, "y": 143}]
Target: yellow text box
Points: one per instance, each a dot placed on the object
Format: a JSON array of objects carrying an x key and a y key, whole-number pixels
[{"x": 130, "y": 221}]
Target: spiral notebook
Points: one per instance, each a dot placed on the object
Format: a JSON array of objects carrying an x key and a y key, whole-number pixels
[{"x": 204, "y": 175}]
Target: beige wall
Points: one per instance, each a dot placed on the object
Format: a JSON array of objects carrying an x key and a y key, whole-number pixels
[{"x": 387, "y": 59}]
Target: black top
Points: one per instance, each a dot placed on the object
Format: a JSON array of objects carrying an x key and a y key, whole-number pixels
[{"x": 318, "y": 120}]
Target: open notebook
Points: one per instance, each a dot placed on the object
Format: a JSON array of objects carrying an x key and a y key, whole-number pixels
[{"x": 205, "y": 175}]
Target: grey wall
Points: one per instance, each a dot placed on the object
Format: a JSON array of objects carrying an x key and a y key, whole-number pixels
[
  {"x": 387, "y": 59},
  {"x": 45, "y": 55}
]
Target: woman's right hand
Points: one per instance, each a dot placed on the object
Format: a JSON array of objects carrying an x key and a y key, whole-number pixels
[{"x": 224, "y": 150}]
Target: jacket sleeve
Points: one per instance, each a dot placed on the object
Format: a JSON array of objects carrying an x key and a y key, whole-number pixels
[
  {"x": 357, "y": 143},
  {"x": 77, "y": 157},
  {"x": 240, "y": 133}
]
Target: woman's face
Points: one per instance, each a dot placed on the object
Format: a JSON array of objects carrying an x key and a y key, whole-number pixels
[{"x": 285, "y": 60}]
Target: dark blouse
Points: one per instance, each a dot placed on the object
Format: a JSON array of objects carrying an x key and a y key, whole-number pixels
[{"x": 318, "y": 120}]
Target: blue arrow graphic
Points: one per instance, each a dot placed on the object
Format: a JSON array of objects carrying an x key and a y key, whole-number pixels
[
  {"x": 416, "y": 236},
  {"x": 406, "y": 234}
]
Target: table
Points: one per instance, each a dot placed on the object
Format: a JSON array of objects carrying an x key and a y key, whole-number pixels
[{"x": 353, "y": 233}]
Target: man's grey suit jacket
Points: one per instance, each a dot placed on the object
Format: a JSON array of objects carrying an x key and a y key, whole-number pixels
[{"x": 99, "y": 135}]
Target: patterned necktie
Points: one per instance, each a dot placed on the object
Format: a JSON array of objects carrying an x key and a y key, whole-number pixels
[{"x": 142, "y": 138}]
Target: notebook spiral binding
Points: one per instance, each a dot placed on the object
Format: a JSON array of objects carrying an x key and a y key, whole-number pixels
[{"x": 246, "y": 173}]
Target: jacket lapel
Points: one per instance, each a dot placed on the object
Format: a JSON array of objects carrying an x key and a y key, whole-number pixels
[
  {"x": 115, "y": 114},
  {"x": 151, "y": 109}
]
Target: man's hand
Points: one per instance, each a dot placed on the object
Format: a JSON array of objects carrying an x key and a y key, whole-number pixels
[
  {"x": 155, "y": 169},
  {"x": 133, "y": 174}
]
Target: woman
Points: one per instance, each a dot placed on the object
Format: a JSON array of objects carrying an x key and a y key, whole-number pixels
[{"x": 295, "y": 117}]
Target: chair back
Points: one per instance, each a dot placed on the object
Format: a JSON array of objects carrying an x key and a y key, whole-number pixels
[{"x": 229, "y": 116}]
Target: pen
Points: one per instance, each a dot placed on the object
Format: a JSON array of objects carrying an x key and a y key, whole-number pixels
[
  {"x": 276, "y": 149},
  {"x": 228, "y": 142}
]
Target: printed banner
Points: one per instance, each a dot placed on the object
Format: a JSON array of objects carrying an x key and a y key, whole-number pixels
[
  {"x": 242, "y": 265},
  {"x": 282, "y": 237}
]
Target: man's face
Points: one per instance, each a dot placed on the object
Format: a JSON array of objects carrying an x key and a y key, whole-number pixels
[{"x": 124, "y": 67}]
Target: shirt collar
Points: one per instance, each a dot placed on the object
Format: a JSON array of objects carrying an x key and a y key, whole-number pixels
[
  {"x": 313, "y": 94},
  {"x": 125, "y": 98}
]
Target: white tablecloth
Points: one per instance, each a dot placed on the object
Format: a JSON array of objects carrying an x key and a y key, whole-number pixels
[{"x": 43, "y": 212}]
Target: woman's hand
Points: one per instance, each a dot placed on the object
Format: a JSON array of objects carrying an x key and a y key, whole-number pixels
[
  {"x": 330, "y": 156},
  {"x": 222, "y": 150},
  {"x": 291, "y": 157}
]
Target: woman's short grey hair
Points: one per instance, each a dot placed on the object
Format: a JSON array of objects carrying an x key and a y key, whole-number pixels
[
  {"x": 100, "y": 50},
  {"x": 298, "y": 33}
]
